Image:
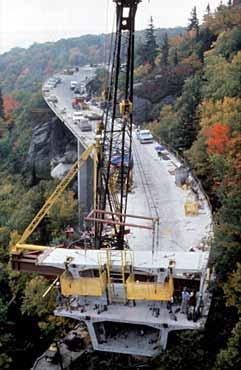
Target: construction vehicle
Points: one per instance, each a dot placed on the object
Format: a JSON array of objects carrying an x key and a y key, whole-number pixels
[{"x": 78, "y": 102}]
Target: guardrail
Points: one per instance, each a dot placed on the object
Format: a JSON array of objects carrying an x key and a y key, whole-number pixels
[
  {"x": 186, "y": 164},
  {"x": 183, "y": 161}
]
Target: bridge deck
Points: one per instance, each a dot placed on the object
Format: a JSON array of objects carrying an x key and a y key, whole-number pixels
[{"x": 154, "y": 191}]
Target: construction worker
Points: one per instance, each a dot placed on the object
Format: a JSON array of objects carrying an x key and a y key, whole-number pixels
[
  {"x": 185, "y": 300},
  {"x": 59, "y": 297},
  {"x": 170, "y": 304}
]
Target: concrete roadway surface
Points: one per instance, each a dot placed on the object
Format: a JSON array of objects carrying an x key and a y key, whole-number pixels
[{"x": 154, "y": 192}]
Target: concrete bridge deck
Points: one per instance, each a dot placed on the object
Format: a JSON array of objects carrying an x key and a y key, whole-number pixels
[{"x": 154, "y": 192}]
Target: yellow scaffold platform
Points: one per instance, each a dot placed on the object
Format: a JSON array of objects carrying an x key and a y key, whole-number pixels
[
  {"x": 149, "y": 291},
  {"x": 83, "y": 286}
]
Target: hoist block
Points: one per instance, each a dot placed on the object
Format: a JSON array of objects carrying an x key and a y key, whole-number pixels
[{"x": 125, "y": 107}]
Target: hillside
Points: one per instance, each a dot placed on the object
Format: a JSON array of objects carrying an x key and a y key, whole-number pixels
[{"x": 28, "y": 68}]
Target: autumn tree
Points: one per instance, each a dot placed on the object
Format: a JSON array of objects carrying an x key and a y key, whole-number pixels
[
  {"x": 223, "y": 19},
  {"x": 164, "y": 128},
  {"x": 222, "y": 77},
  {"x": 10, "y": 104},
  {"x": 217, "y": 138},
  {"x": 40, "y": 308},
  {"x": 63, "y": 213},
  {"x": 227, "y": 110},
  {"x": 234, "y": 160}
]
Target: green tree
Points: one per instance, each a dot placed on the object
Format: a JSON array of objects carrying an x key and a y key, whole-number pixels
[
  {"x": 228, "y": 43},
  {"x": 227, "y": 246},
  {"x": 165, "y": 52},
  {"x": 175, "y": 58},
  {"x": 33, "y": 302},
  {"x": 222, "y": 78},
  {"x": 186, "y": 107},
  {"x": 187, "y": 351},
  {"x": 208, "y": 10},
  {"x": 148, "y": 49},
  {"x": 165, "y": 127},
  {"x": 193, "y": 22},
  {"x": 230, "y": 357},
  {"x": 1, "y": 105},
  {"x": 232, "y": 289}
]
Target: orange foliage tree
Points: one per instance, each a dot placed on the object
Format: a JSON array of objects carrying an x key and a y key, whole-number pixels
[
  {"x": 234, "y": 157},
  {"x": 218, "y": 138},
  {"x": 9, "y": 104}
]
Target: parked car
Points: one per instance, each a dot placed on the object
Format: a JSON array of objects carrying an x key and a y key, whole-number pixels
[
  {"x": 53, "y": 99},
  {"x": 73, "y": 85},
  {"x": 145, "y": 137},
  {"x": 63, "y": 110},
  {"x": 77, "y": 90},
  {"x": 77, "y": 117},
  {"x": 85, "y": 125},
  {"x": 92, "y": 116}
]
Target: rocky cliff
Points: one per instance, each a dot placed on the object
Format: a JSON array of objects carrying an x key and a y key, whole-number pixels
[{"x": 52, "y": 150}]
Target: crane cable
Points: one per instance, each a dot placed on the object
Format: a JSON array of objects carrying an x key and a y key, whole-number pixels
[{"x": 107, "y": 59}]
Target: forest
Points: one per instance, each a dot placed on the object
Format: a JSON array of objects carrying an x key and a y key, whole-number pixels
[{"x": 192, "y": 79}]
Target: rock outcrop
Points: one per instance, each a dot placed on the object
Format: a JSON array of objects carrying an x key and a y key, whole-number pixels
[{"x": 51, "y": 145}]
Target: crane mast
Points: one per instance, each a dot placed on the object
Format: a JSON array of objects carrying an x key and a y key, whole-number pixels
[{"x": 115, "y": 155}]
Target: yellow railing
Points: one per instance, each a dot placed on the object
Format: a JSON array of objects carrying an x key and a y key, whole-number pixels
[
  {"x": 83, "y": 286},
  {"x": 149, "y": 291}
]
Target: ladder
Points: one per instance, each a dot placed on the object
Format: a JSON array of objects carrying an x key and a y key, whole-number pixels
[{"x": 120, "y": 260}]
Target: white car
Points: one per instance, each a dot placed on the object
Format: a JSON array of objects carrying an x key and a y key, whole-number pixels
[
  {"x": 73, "y": 85},
  {"x": 63, "y": 110},
  {"x": 53, "y": 99},
  {"x": 77, "y": 117},
  {"x": 145, "y": 137}
]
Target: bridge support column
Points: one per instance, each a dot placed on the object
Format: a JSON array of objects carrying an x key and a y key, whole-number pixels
[
  {"x": 85, "y": 187},
  {"x": 163, "y": 338},
  {"x": 92, "y": 334}
]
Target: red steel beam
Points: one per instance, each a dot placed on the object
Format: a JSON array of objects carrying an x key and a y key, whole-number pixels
[
  {"x": 119, "y": 214},
  {"x": 111, "y": 222},
  {"x": 27, "y": 263}
]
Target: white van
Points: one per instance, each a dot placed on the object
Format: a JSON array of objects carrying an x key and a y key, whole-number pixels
[
  {"x": 73, "y": 85},
  {"x": 145, "y": 137}
]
